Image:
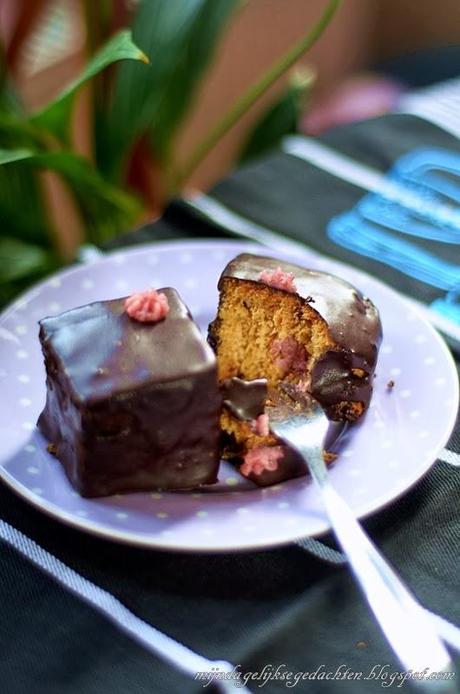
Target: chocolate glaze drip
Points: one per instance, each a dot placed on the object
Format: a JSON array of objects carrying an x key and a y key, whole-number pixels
[
  {"x": 353, "y": 323},
  {"x": 244, "y": 399}
]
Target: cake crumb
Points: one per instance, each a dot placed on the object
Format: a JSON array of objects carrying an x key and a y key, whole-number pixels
[
  {"x": 390, "y": 385},
  {"x": 362, "y": 644},
  {"x": 52, "y": 448}
]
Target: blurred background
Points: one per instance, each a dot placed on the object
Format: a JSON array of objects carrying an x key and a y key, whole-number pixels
[{"x": 95, "y": 140}]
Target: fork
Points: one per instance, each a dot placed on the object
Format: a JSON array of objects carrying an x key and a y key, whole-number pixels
[{"x": 411, "y": 631}]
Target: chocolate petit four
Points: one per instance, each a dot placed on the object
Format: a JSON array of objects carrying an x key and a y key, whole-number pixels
[
  {"x": 288, "y": 325},
  {"x": 132, "y": 396}
]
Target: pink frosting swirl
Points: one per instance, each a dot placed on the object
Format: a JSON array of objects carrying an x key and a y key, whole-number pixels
[
  {"x": 261, "y": 458},
  {"x": 279, "y": 280},
  {"x": 149, "y": 306}
]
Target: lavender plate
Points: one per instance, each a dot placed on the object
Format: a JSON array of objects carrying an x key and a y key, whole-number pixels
[{"x": 399, "y": 439}]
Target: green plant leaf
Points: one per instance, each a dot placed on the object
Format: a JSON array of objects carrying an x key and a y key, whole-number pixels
[
  {"x": 251, "y": 95},
  {"x": 181, "y": 36},
  {"x": 55, "y": 117},
  {"x": 107, "y": 210},
  {"x": 19, "y": 260},
  {"x": 281, "y": 118}
]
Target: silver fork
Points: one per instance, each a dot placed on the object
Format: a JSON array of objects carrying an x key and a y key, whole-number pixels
[{"x": 411, "y": 631}]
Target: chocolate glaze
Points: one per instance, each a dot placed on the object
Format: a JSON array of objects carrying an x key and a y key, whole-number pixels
[
  {"x": 353, "y": 323},
  {"x": 130, "y": 405},
  {"x": 245, "y": 399}
]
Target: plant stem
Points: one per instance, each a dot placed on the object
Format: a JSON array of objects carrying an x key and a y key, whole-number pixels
[{"x": 255, "y": 91}]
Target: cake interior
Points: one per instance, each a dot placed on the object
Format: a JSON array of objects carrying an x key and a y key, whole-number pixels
[
  {"x": 262, "y": 332},
  {"x": 254, "y": 320}
]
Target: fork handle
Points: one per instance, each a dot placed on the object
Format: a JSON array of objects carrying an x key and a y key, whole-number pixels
[{"x": 403, "y": 620}]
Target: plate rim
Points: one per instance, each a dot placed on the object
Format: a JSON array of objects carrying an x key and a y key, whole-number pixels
[{"x": 154, "y": 541}]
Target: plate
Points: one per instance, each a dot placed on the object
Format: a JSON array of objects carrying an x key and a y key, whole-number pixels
[{"x": 380, "y": 458}]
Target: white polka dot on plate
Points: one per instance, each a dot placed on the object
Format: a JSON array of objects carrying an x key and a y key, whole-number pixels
[
  {"x": 387, "y": 349},
  {"x": 156, "y": 495},
  {"x": 32, "y": 470},
  {"x": 354, "y": 472},
  {"x": 162, "y": 515},
  {"x": 152, "y": 260},
  {"x": 37, "y": 490},
  {"x": 121, "y": 284},
  {"x": 21, "y": 329},
  {"x": 440, "y": 381},
  {"x": 54, "y": 282},
  {"x": 396, "y": 371},
  {"x": 231, "y": 481},
  {"x": 424, "y": 434},
  {"x": 22, "y": 354},
  {"x": 82, "y": 513},
  {"x": 54, "y": 307},
  {"x": 87, "y": 284},
  {"x": 202, "y": 514},
  {"x": 185, "y": 258},
  {"x": 283, "y": 504},
  {"x": 429, "y": 361},
  {"x": 242, "y": 510},
  {"x": 420, "y": 339},
  {"x": 121, "y": 515},
  {"x": 218, "y": 255},
  {"x": 30, "y": 448},
  {"x": 2, "y": 373},
  {"x": 25, "y": 402},
  {"x": 386, "y": 444},
  {"x": 393, "y": 464},
  {"x": 191, "y": 283},
  {"x": 415, "y": 414},
  {"x": 118, "y": 259},
  {"x": 406, "y": 393},
  {"x": 346, "y": 454},
  {"x": 23, "y": 378}
]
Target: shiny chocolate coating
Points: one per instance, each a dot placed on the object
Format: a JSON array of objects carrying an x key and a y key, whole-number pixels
[
  {"x": 353, "y": 323},
  {"x": 244, "y": 399},
  {"x": 130, "y": 406}
]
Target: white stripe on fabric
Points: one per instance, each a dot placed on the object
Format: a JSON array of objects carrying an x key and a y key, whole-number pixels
[
  {"x": 439, "y": 104},
  {"x": 175, "y": 653},
  {"x": 450, "y": 457},
  {"x": 238, "y": 225}
]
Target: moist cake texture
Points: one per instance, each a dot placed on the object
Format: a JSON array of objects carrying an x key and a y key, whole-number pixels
[
  {"x": 286, "y": 324},
  {"x": 130, "y": 406}
]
